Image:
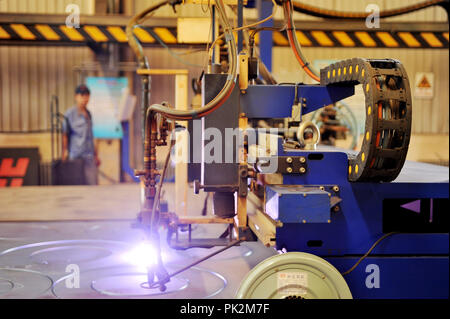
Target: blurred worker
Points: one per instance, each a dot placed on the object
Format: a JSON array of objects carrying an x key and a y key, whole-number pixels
[{"x": 78, "y": 138}]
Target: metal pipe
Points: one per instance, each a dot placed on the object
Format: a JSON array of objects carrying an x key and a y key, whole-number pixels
[
  {"x": 295, "y": 45},
  {"x": 240, "y": 10},
  {"x": 213, "y": 17}
]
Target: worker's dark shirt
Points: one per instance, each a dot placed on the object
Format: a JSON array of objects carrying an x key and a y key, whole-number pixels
[{"x": 79, "y": 131}]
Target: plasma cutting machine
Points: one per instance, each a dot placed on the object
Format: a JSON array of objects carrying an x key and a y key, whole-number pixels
[{"x": 346, "y": 224}]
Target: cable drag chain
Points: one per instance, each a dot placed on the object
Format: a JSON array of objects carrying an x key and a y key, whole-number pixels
[{"x": 388, "y": 115}]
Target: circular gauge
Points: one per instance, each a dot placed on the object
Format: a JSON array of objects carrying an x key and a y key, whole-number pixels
[{"x": 294, "y": 275}]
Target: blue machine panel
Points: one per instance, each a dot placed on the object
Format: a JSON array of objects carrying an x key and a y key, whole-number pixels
[
  {"x": 275, "y": 101},
  {"x": 297, "y": 204},
  {"x": 359, "y": 221},
  {"x": 409, "y": 265},
  {"x": 387, "y": 277}
]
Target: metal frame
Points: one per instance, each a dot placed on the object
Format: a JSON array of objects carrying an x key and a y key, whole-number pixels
[
  {"x": 315, "y": 33},
  {"x": 122, "y": 20}
]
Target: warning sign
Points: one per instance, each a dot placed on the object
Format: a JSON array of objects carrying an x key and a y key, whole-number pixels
[{"x": 424, "y": 85}]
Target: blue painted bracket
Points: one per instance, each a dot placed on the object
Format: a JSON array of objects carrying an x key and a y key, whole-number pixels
[
  {"x": 298, "y": 204},
  {"x": 125, "y": 165},
  {"x": 275, "y": 101},
  {"x": 265, "y": 8}
]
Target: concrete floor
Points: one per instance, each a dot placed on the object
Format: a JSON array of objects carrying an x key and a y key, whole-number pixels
[{"x": 34, "y": 257}]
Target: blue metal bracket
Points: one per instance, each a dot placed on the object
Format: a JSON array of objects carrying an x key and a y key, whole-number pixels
[
  {"x": 298, "y": 204},
  {"x": 275, "y": 101},
  {"x": 125, "y": 165},
  {"x": 265, "y": 8}
]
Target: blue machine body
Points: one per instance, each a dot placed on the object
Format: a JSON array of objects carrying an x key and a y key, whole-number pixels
[
  {"x": 298, "y": 204},
  {"x": 410, "y": 265},
  {"x": 400, "y": 277}
]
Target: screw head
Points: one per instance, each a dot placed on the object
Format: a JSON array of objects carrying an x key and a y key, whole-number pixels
[{"x": 302, "y": 170}]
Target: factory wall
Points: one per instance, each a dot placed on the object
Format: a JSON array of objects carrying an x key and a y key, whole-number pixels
[
  {"x": 163, "y": 86},
  {"x": 429, "y": 115},
  {"x": 46, "y": 6},
  {"x": 30, "y": 75}
]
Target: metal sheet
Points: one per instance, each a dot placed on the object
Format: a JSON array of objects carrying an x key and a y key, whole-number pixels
[
  {"x": 15, "y": 283},
  {"x": 132, "y": 284},
  {"x": 127, "y": 282},
  {"x": 217, "y": 159},
  {"x": 104, "y": 269}
]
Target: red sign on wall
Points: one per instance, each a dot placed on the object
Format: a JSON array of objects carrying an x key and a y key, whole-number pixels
[{"x": 19, "y": 167}]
